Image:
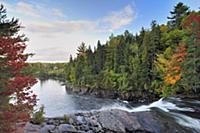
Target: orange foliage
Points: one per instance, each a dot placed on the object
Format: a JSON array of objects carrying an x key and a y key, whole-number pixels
[{"x": 173, "y": 73}]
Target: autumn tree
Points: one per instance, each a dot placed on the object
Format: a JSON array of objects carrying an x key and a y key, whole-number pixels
[
  {"x": 163, "y": 59},
  {"x": 16, "y": 99},
  {"x": 191, "y": 66},
  {"x": 170, "y": 69}
]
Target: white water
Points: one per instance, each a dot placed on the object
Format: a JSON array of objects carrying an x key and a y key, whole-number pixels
[
  {"x": 187, "y": 121},
  {"x": 161, "y": 104},
  {"x": 166, "y": 107},
  {"x": 58, "y": 102}
]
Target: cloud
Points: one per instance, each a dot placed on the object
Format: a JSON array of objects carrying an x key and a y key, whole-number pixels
[
  {"x": 53, "y": 37},
  {"x": 117, "y": 19},
  {"x": 108, "y": 23},
  {"x": 35, "y": 11},
  {"x": 27, "y": 9},
  {"x": 50, "y": 55},
  {"x": 60, "y": 26},
  {"x": 58, "y": 13},
  {"x": 23, "y": 8}
]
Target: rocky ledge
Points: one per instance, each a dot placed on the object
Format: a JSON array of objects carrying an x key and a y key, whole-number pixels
[
  {"x": 112, "y": 94},
  {"x": 110, "y": 121}
]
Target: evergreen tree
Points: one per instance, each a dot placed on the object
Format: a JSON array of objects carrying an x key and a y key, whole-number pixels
[
  {"x": 70, "y": 59},
  {"x": 179, "y": 12},
  {"x": 191, "y": 80},
  {"x": 8, "y": 27}
]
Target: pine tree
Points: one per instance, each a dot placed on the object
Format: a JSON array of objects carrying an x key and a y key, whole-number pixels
[
  {"x": 179, "y": 12},
  {"x": 70, "y": 59}
]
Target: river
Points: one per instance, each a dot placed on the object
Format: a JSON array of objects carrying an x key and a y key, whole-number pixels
[{"x": 57, "y": 102}]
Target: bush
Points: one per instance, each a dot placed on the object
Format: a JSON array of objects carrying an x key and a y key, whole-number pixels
[
  {"x": 38, "y": 116},
  {"x": 66, "y": 118}
]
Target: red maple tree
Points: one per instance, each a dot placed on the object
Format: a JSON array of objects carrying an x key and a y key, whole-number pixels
[{"x": 14, "y": 86}]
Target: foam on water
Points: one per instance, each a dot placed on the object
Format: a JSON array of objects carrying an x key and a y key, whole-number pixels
[
  {"x": 187, "y": 121},
  {"x": 116, "y": 106},
  {"x": 161, "y": 104},
  {"x": 166, "y": 107}
]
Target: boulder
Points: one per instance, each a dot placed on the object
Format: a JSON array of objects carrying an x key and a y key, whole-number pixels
[
  {"x": 66, "y": 128},
  {"x": 32, "y": 128},
  {"x": 48, "y": 129}
]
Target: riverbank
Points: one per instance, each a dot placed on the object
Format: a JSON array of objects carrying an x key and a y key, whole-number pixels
[
  {"x": 135, "y": 97},
  {"x": 167, "y": 115},
  {"x": 110, "y": 121}
]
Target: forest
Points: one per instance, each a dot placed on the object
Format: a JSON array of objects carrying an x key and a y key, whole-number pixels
[
  {"x": 46, "y": 70},
  {"x": 162, "y": 60}
]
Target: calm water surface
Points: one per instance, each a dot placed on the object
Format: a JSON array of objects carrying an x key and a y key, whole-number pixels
[{"x": 58, "y": 102}]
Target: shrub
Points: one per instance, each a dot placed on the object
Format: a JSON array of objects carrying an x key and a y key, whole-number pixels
[
  {"x": 66, "y": 118},
  {"x": 38, "y": 116}
]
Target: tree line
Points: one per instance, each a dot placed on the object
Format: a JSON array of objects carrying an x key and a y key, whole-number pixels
[
  {"x": 162, "y": 60},
  {"x": 46, "y": 70}
]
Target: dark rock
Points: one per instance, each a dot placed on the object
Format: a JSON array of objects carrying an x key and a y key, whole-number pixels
[
  {"x": 158, "y": 121},
  {"x": 50, "y": 122},
  {"x": 112, "y": 94}
]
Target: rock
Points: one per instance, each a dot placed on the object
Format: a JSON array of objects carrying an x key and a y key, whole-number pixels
[
  {"x": 31, "y": 128},
  {"x": 51, "y": 121},
  {"x": 129, "y": 120},
  {"x": 48, "y": 129},
  {"x": 110, "y": 123},
  {"x": 80, "y": 120},
  {"x": 158, "y": 121},
  {"x": 93, "y": 124},
  {"x": 71, "y": 121},
  {"x": 66, "y": 128},
  {"x": 90, "y": 131}
]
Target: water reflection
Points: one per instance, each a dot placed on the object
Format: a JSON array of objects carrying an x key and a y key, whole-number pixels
[
  {"x": 58, "y": 102},
  {"x": 54, "y": 97}
]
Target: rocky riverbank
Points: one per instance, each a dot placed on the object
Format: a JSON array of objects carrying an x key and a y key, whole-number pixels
[
  {"x": 110, "y": 121},
  {"x": 112, "y": 94}
]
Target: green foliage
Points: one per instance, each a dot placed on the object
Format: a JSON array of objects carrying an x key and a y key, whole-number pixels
[
  {"x": 66, "y": 119},
  {"x": 38, "y": 116},
  {"x": 178, "y": 13},
  {"x": 46, "y": 70},
  {"x": 138, "y": 62},
  {"x": 191, "y": 73},
  {"x": 143, "y": 62}
]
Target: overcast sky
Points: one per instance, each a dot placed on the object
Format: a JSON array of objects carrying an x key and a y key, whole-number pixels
[{"x": 56, "y": 28}]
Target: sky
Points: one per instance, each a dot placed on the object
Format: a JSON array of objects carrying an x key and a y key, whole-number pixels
[{"x": 56, "y": 28}]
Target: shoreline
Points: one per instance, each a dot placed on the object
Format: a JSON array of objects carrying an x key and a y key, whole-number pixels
[{"x": 108, "y": 121}]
